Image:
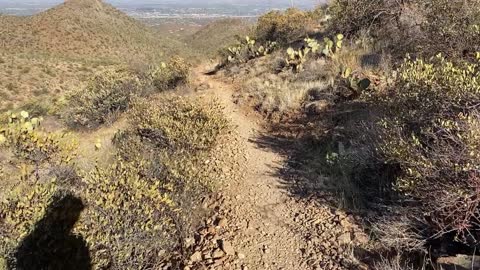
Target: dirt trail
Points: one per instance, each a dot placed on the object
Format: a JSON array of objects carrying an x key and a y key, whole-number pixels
[{"x": 268, "y": 228}]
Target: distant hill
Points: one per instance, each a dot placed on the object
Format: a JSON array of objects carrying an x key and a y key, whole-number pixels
[
  {"x": 48, "y": 54},
  {"x": 81, "y": 28},
  {"x": 218, "y": 34}
]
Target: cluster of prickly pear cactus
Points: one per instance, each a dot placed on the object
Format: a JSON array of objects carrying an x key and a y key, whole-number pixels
[
  {"x": 353, "y": 81},
  {"x": 266, "y": 49},
  {"x": 248, "y": 49},
  {"x": 296, "y": 59},
  {"x": 312, "y": 44},
  {"x": 332, "y": 46}
]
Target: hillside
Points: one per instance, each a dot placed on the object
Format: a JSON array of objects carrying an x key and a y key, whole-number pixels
[
  {"x": 44, "y": 55},
  {"x": 81, "y": 28},
  {"x": 220, "y": 34}
]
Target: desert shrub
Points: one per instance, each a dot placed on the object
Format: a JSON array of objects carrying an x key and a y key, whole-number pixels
[
  {"x": 423, "y": 27},
  {"x": 127, "y": 222},
  {"x": 23, "y": 207},
  {"x": 179, "y": 123},
  {"x": 50, "y": 244},
  {"x": 105, "y": 96},
  {"x": 350, "y": 17},
  {"x": 451, "y": 27},
  {"x": 431, "y": 131},
  {"x": 23, "y": 136},
  {"x": 177, "y": 141},
  {"x": 171, "y": 74},
  {"x": 284, "y": 27}
]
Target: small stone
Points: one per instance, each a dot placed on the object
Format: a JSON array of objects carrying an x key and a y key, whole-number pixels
[
  {"x": 221, "y": 222},
  {"x": 189, "y": 242},
  {"x": 196, "y": 257},
  {"x": 361, "y": 238},
  {"x": 217, "y": 254},
  {"x": 227, "y": 247},
  {"x": 211, "y": 230},
  {"x": 241, "y": 256},
  {"x": 206, "y": 255},
  {"x": 345, "y": 238}
]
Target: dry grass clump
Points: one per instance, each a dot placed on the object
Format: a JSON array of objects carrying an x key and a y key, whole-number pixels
[
  {"x": 276, "y": 97},
  {"x": 396, "y": 263}
]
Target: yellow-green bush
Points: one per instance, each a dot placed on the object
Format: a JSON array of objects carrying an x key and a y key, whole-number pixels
[
  {"x": 178, "y": 123},
  {"x": 127, "y": 222},
  {"x": 23, "y": 136},
  {"x": 284, "y": 27},
  {"x": 178, "y": 137},
  {"x": 171, "y": 74},
  {"x": 106, "y": 95},
  {"x": 432, "y": 132},
  {"x": 177, "y": 141},
  {"x": 20, "y": 210}
]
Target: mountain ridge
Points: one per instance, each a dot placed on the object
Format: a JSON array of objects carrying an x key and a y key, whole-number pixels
[{"x": 79, "y": 28}]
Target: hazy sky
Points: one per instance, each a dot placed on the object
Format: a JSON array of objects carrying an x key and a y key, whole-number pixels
[{"x": 52, "y": 2}]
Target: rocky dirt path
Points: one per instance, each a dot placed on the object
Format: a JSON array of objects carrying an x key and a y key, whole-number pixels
[{"x": 265, "y": 226}]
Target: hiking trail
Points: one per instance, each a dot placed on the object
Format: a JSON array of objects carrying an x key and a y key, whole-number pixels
[{"x": 267, "y": 227}]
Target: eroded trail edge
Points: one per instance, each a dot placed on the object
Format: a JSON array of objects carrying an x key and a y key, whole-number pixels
[{"x": 268, "y": 228}]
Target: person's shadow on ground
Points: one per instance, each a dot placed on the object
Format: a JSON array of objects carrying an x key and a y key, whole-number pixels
[{"x": 52, "y": 246}]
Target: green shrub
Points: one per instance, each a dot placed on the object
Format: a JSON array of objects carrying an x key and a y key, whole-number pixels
[
  {"x": 126, "y": 224},
  {"x": 284, "y": 27},
  {"x": 432, "y": 132},
  {"x": 170, "y": 75},
  {"x": 181, "y": 140},
  {"x": 106, "y": 95}
]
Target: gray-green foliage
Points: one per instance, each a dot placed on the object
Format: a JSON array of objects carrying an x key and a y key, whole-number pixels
[{"x": 106, "y": 95}]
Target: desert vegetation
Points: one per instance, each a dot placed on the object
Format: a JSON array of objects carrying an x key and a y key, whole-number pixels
[
  {"x": 386, "y": 98},
  {"x": 110, "y": 146}
]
